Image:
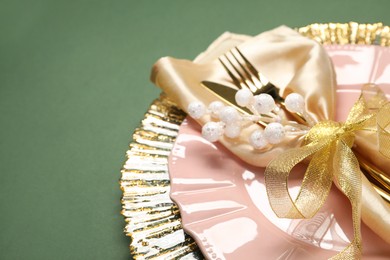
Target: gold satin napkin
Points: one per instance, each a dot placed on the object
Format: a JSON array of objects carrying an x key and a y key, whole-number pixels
[{"x": 294, "y": 64}]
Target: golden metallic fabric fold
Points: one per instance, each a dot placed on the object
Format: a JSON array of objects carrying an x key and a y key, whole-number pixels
[{"x": 328, "y": 145}]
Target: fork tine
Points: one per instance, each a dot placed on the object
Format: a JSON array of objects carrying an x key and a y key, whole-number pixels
[
  {"x": 242, "y": 77},
  {"x": 260, "y": 77},
  {"x": 251, "y": 73},
  {"x": 239, "y": 82},
  {"x": 246, "y": 71},
  {"x": 236, "y": 81},
  {"x": 250, "y": 66},
  {"x": 243, "y": 81}
]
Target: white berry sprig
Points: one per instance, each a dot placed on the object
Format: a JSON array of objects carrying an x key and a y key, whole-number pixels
[{"x": 229, "y": 122}]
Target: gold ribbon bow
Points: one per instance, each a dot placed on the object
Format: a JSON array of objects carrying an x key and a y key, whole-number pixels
[{"x": 328, "y": 145}]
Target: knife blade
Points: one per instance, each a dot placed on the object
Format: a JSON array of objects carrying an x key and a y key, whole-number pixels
[{"x": 225, "y": 93}]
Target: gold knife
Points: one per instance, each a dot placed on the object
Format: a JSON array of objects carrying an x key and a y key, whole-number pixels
[{"x": 225, "y": 93}]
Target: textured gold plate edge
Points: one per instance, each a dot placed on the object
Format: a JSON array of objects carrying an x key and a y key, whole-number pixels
[{"x": 152, "y": 220}]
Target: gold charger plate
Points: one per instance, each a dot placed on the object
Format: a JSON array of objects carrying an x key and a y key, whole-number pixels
[{"x": 152, "y": 220}]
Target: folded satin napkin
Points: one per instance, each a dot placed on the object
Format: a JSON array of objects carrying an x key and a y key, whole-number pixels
[{"x": 293, "y": 63}]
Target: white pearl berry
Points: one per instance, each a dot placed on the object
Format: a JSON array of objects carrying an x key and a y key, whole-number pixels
[
  {"x": 264, "y": 103},
  {"x": 232, "y": 130},
  {"x": 196, "y": 109},
  {"x": 295, "y": 103},
  {"x": 274, "y": 133},
  {"x": 229, "y": 115},
  {"x": 244, "y": 97},
  {"x": 215, "y": 108},
  {"x": 257, "y": 139},
  {"x": 211, "y": 131},
  {"x": 229, "y": 122}
]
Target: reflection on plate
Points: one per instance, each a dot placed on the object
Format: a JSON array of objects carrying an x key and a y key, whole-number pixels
[{"x": 223, "y": 201}]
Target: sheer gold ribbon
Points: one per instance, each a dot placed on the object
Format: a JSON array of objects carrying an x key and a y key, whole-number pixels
[{"x": 328, "y": 145}]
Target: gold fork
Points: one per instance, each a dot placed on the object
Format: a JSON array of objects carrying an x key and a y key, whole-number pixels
[
  {"x": 245, "y": 75},
  {"x": 248, "y": 76}
]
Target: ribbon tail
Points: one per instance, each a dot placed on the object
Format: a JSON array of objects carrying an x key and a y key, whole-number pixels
[
  {"x": 348, "y": 179},
  {"x": 314, "y": 186},
  {"x": 316, "y": 183}
]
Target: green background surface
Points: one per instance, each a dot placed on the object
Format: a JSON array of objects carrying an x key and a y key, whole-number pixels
[{"x": 74, "y": 83}]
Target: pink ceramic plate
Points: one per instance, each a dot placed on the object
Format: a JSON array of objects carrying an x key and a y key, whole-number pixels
[{"x": 223, "y": 202}]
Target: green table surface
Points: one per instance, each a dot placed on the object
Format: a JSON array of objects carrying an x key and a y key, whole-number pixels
[{"x": 74, "y": 83}]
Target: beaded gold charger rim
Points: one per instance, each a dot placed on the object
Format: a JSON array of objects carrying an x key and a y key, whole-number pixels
[{"x": 152, "y": 220}]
